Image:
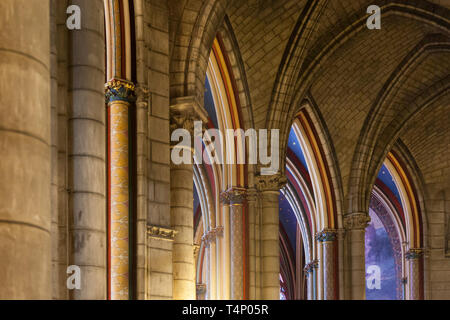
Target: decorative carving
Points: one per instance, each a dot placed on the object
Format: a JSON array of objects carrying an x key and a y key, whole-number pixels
[
  {"x": 196, "y": 249},
  {"x": 201, "y": 289},
  {"x": 142, "y": 94},
  {"x": 311, "y": 266},
  {"x": 161, "y": 233},
  {"x": 233, "y": 196},
  {"x": 120, "y": 90},
  {"x": 211, "y": 235},
  {"x": 271, "y": 183},
  {"x": 252, "y": 195},
  {"x": 326, "y": 235},
  {"x": 184, "y": 111},
  {"x": 356, "y": 221},
  {"x": 219, "y": 231},
  {"x": 414, "y": 253}
]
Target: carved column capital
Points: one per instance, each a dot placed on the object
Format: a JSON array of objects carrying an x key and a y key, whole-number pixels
[
  {"x": 326, "y": 235},
  {"x": 201, "y": 289},
  {"x": 270, "y": 183},
  {"x": 356, "y": 221},
  {"x": 196, "y": 248},
  {"x": 212, "y": 235},
  {"x": 414, "y": 254},
  {"x": 233, "y": 196},
  {"x": 120, "y": 90},
  {"x": 188, "y": 109},
  {"x": 252, "y": 195},
  {"x": 161, "y": 233},
  {"x": 142, "y": 94}
]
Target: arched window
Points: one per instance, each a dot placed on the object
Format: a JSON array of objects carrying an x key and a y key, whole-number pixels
[
  {"x": 308, "y": 220},
  {"x": 394, "y": 267}
]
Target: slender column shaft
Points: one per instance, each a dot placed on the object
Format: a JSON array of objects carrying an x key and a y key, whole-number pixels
[
  {"x": 310, "y": 284},
  {"x": 328, "y": 238},
  {"x": 119, "y": 193},
  {"x": 311, "y": 278},
  {"x": 235, "y": 199},
  {"x": 251, "y": 200},
  {"x": 413, "y": 256},
  {"x": 25, "y": 261},
  {"x": 119, "y": 95},
  {"x": 237, "y": 252},
  {"x": 356, "y": 225}
]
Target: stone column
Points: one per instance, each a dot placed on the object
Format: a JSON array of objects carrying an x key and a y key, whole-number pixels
[
  {"x": 119, "y": 96},
  {"x": 181, "y": 209},
  {"x": 356, "y": 224},
  {"x": 235, "y": 199},
  {"x": 87, "y": 160},
  {"x": 25, "y": 261},
  {"x": 269, "y": 187},
  {"x": 327, "y": 238},
  {"x": 414, "y": 257}
]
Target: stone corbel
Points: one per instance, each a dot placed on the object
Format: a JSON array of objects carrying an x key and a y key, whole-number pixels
[
  {"x": 326, "y": 235},
  {"x": 270, "y": 183},
  {"x": 356, "y": 221},
  {"x": 233, "y": 196},
  {"x": 311, "y": 266},
  {"x": 201, "y": 289},
  {"x": 186, "y": 109},
  {"x": 142, "y": 97},
  {"x": 414, "y": 254},
  {"x": 161, "y": 233},
  {"x": 196, "y": 250}
]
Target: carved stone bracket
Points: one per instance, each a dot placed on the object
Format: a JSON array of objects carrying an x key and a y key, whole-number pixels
[
  {"x": 233, "y": 196},
  {"x": 142, "y": 95},
  {"x": 326, "y": 235},
  {"x": 184, "y": 111},
  {"x": 311, "y": 266},
  {"x": 161, "y": 233},
  {"x": 196, "y": 249},
  {"x": 201, "y": 289},
  {"x": 211, "y": 235},
  {"x": 356, "y": 221},
  {"x": 252, "y": 195},
  {"x": 414, "y": 253},
  {"x": 120, "y": 90},
  {"x": 270, "y": 183}
]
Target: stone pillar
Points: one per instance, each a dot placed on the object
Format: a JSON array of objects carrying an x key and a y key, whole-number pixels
[
  {"x": 356, "y": 224},
  {"x": 25, "y": 261},
  {"x": 414, "y": 257},
  {"x": 181, "y": 209},
  {"x": 235, "y": 199},
  {"x": 269, "y": 187},
  {"x": 119, "y": 96},
  {"x": 327, "y": 238},
  {"x": 87, "y": 160}
]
